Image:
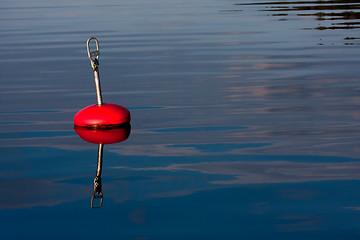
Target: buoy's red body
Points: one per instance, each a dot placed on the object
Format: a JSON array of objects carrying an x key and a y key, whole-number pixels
[
  {"x": 101, "y": 136},
  {"x": 102, "y": 116}
]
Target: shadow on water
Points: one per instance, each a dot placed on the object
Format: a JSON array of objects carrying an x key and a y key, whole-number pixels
[
  {"x": 341, "y": 14},
  {"x": 101, "y": 137}
]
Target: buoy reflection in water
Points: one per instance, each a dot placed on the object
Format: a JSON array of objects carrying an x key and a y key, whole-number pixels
[{"x": 101, "y": 137}]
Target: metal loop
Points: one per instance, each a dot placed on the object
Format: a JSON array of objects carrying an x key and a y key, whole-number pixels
[
  {"x": 93, "y": 55},
  {"x": 95, "y": 196}
]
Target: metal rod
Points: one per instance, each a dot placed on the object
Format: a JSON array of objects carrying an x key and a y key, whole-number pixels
[
  {"x": 98, "y": 87},
  {"x": 94, "y": 59}
]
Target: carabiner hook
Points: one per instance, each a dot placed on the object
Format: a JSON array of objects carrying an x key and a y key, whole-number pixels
[{"x": 94, "y": 55}]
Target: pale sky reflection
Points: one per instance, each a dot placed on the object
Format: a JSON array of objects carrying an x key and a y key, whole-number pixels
[
  {"x": 156, "y": 150},
  {"x": 270, "y": 172},
  {"x": 262, "y": 66}
]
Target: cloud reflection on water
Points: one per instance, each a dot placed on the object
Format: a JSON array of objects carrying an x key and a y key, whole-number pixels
[
  {"x": 287, "y": 96},
  {"x": 269, "y": 172}
]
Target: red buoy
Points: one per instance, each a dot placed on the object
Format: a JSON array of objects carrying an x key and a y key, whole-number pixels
[
  {"x": 102, "y": 115},
  {"x": 105, "y": 116}
]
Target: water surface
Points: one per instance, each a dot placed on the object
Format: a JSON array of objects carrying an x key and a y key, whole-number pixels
[{"x": 245, "y": 119}]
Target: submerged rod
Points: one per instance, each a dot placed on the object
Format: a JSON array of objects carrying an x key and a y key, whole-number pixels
[
  {"x": 100, "y": 159},
  {"x": 97, "y": 194}
]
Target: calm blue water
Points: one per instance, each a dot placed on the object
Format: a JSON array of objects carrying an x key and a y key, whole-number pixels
[{"x": 245, "y": 119}]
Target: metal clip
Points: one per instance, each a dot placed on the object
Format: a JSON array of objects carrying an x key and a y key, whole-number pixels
[{"x": 93, "y": 55}]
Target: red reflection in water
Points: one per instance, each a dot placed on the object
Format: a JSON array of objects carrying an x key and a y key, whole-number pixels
[{"x": 101, "y": 136}]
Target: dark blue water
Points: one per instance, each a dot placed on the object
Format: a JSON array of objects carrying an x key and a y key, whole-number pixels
[{"x": 245, "y": 119}]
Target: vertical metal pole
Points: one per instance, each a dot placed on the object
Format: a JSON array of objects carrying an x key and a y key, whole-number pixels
[
  {"x": 94, "y": 59},
  {"x": 98, "y": 87}
]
